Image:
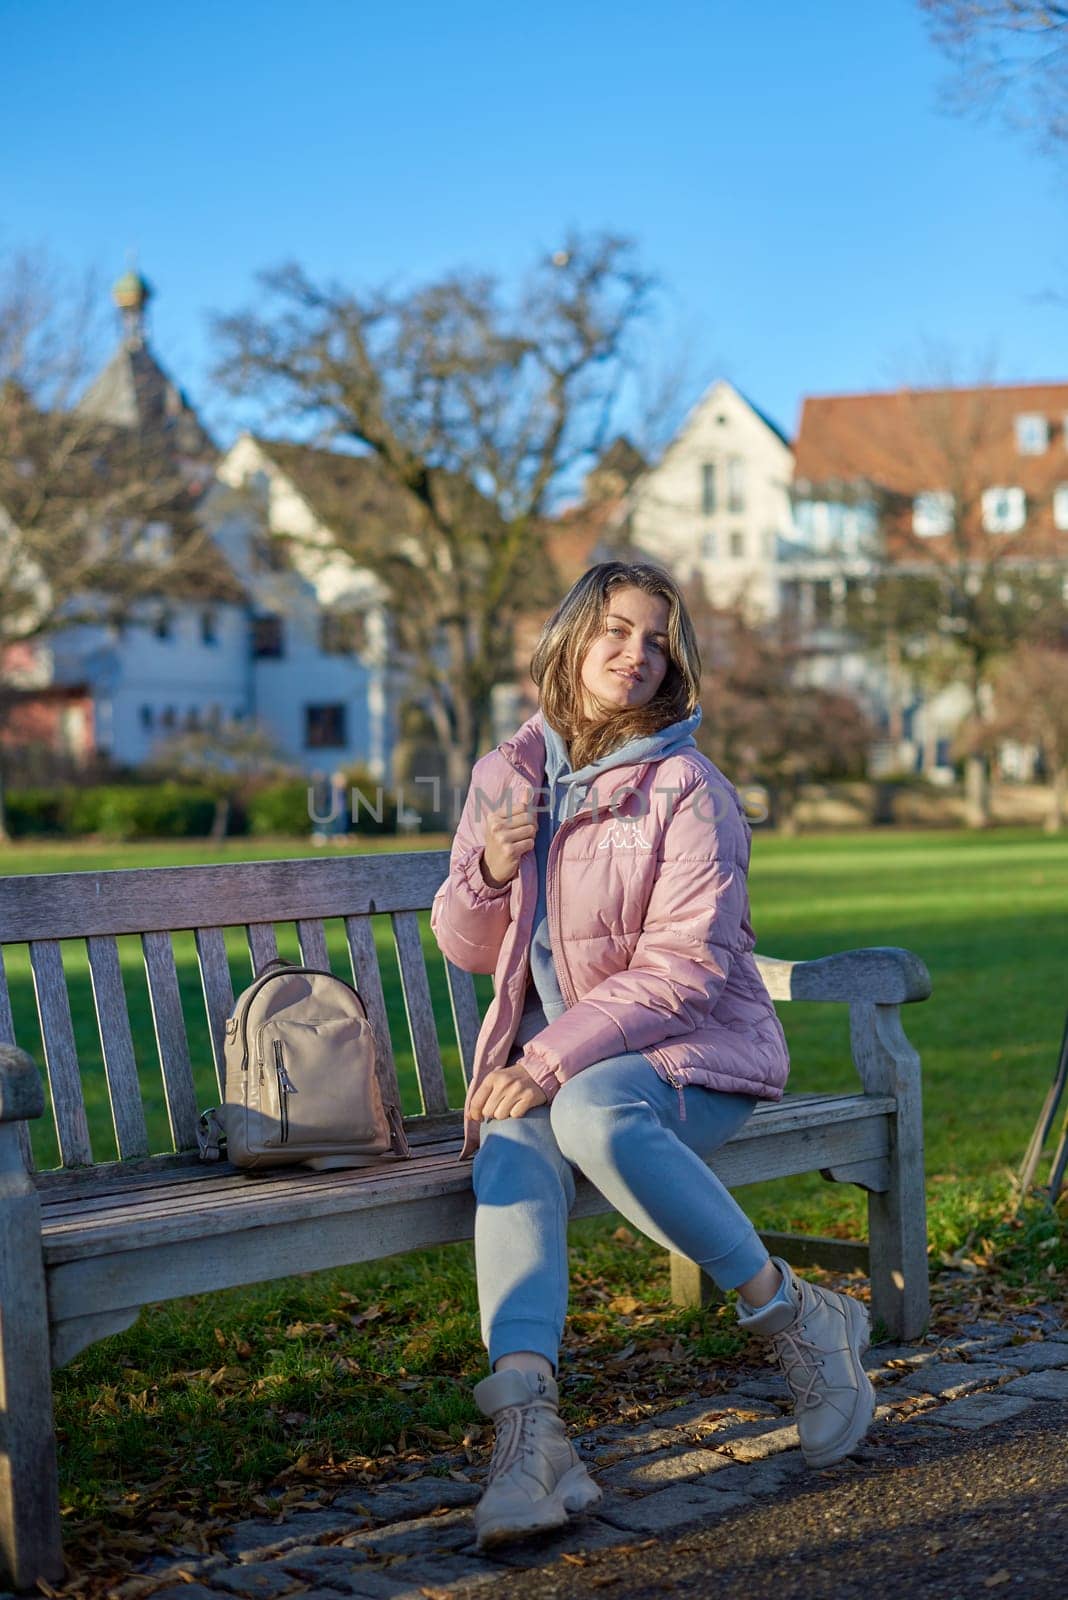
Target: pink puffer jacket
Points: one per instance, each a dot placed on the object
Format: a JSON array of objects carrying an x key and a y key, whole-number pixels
[{"x": 649, "y": 922}]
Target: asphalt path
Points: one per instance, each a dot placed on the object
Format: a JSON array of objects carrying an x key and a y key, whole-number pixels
[{"x": 926, "y": 1513}]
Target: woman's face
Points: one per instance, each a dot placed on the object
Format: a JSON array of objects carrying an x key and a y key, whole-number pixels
[{"x": 627, "y": 661}]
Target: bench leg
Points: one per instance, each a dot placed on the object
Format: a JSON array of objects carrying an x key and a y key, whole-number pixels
[
  {"x": 690, "y": 1286},
  {"x": 897, "y": 1218},
  {"x": 30, "y": 1546}
]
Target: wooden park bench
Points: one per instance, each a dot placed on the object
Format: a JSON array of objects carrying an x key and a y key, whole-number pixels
[{"x": 90, "y": 1241}]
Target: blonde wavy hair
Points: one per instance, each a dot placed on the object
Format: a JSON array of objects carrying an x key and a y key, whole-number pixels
[{"x": 556, "y": 664}]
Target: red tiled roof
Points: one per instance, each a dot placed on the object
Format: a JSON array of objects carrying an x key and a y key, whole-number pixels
[
  {"x": 911, "y": 440},
  {"x": 958, "y": 440}
]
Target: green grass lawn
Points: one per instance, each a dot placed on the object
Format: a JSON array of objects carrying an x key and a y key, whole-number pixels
[{"x": 343, "y": 1366}]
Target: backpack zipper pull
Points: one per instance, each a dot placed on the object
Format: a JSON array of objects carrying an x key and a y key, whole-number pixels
[{"x": 285, "y": 1082}]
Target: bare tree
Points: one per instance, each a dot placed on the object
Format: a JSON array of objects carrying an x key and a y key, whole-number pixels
[
  {"x": 226, "y": 759},
  {"x": 1030, "y": 706},
  {"x": 1011, "y": 58},
  {"x": 479, "y": 407},
  {"x": 763, "y": 723}
]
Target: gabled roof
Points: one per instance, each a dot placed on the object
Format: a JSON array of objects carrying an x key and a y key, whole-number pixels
[
  {"x": 346, "y": 492},
  {"x": 769, "y": 422},
  {"x": 134, "y": 391},
  {"x": 908, "y": 441},
  {"x": 704, "y": 402}
]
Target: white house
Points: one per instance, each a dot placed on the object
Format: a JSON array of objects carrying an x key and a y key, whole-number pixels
[
  {"x": 717, "y": 504},
  {"x": 179, "y": 661},
  {"x": 280, "y": 628},
  {"x": 319, "y": 674}
]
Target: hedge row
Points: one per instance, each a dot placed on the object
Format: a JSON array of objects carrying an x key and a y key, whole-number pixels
[{"x": 170, "y": 810}]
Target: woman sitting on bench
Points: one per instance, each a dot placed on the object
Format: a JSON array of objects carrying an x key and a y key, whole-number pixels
[{"x": 599, "y": 871}]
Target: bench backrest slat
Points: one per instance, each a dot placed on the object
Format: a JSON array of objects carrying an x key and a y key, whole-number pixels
[
  {"x": 7, "y": 1036},
  {"x": 420, "y": 1012},
  {"x": 465, "y": 1015},
  {"x": 218, "y": 989},
  {"x": 171, "y": 1039},
  {"x": 262, "y": 945},
  {"x": 363, "y": 954},
  {"x": 312, "y": 939},
  {"x": 116, "y": 1043},
  {"x": 71, "y": 905},
  {"x": 61, "y": 1053}
]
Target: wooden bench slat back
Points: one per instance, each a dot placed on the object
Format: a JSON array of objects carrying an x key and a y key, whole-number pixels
[
  {"x": 218, "y": 993},
  {"x": 7, "y": 1036},
  {"x": 61, "y": 1053},
  {"x": 419, "y": 1010},
  {"x": 312, "y": 940},
  {"x": 172, "y": 1041},
  {"x": 71, "y": 905},
  {"x": 262, "y": 945},
  {"x": 153, "y": 903},
  {"x": 360, "y": 937},
  {"x": 116, "y": 1043},
  {"x": 465, "y": 1015}
]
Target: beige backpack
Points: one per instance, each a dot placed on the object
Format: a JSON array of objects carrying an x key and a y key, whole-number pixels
[{"x": 300, "y": 1077}]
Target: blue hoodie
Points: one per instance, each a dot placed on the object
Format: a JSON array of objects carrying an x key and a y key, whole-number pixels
[{"x": 567, "y": 791}]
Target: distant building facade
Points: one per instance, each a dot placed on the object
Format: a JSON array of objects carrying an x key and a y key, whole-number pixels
[
  {"x": 281, "y": 628},
  {"x": 717, "y": 503},
  {"x": 907, "y": 481},
  {"x": 319, "y": 672},
  {"x": 178, "y": 660}
]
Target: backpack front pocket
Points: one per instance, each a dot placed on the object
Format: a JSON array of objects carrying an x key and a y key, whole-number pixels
[{"x": 317, "y": 1082}]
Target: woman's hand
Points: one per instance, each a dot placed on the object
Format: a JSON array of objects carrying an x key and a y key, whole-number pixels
[
  {"x": 510, "y": 833},
  {"x": 508, "y": 1092}
]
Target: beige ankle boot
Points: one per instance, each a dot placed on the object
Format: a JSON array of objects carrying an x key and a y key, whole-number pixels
[
  {"x": 817, "y": 1337},
  {"x": 536, "y": 1479}
]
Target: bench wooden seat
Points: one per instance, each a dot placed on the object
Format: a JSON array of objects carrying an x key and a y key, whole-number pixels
[{"x": 86, "y": 1245}]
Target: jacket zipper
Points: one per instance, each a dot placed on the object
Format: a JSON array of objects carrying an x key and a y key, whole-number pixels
[
  {"x": 553, "y": 905},
  {"x": 556, "y": 928},
  {"x": 677, "y": 1084}
]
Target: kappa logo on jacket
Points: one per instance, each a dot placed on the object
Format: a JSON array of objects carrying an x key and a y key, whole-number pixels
[{"x": 624, "y": 834}]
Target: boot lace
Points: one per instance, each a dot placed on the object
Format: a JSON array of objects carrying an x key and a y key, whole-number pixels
[
  {"x": 511, "y": 1440},
  {"x": 801, "y": 1361}
]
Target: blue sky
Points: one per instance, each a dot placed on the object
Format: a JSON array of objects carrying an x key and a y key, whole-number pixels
[{"x": 817, "y": 222}]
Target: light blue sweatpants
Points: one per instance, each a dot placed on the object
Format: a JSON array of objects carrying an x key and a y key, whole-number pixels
[{"x": 619, "y": 1124}]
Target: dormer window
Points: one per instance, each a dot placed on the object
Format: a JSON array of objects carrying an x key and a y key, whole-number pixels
[
  {"x": 932, "y": 513},
  {"x": 1032, "y": 434},
  {"x": 1004, "y": 510}
]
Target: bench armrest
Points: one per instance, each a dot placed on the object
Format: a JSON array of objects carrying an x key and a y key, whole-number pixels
[
  {"x": 883, "y": 974},
  {"x": 21, "y": 1089}
]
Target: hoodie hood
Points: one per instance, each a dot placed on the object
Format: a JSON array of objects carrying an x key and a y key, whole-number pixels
[{"x": 645, "y": 748}]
